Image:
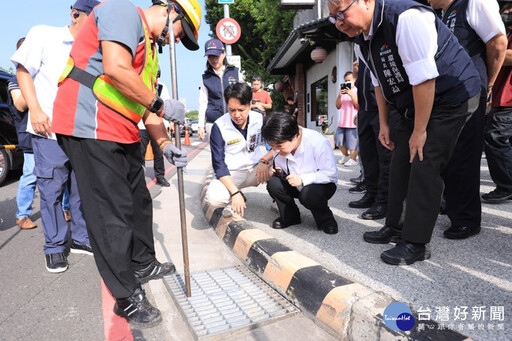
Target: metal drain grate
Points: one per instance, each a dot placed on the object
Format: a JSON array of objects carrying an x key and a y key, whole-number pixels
[{"x": 224, "y": 300}]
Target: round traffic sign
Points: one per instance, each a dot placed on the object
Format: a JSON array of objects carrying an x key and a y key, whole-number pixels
[{"x": 228, "y": 31}]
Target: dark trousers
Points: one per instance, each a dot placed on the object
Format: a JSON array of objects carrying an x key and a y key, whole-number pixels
[
  {"x": 462, "y": 175},
  {"x": 375, "y": 158},
  {"x": 420, "y": 183},
  {"x": 314, "y": 197},
  {"x": 117, "y": 208},
  {"x": 158, "y": 157},
  {"x": 498, "y": 147},
  {"x": 54, "y": 173}
]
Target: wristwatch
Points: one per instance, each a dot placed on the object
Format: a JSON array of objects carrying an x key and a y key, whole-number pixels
[{"x": 156, "y": 105}]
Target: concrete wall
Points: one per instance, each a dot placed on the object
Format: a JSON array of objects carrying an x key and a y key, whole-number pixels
[{"x": 342, "y": 58}]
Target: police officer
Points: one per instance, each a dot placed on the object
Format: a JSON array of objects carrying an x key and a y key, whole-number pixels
[{"x": 434, "y": 88}]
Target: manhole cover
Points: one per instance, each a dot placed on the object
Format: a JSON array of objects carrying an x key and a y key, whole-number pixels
[{"x": 225, "y": 300}]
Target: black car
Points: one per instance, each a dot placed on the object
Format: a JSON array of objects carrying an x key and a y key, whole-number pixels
[{"x": 9, "y": 159}]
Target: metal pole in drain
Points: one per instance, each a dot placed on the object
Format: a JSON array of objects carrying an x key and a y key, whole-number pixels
[{"x": 177, "y": 136}]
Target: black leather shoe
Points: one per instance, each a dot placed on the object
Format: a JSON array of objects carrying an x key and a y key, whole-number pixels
[
  {"x": 461, "y": 232},
  {"x": 162, "y": 181},
  {"x": 359, "y": 189},
  {"x": 496, "y": 196},
  {"x": 366, "y": 201},
  {"x": 405, "y": 253},
  {"x": 357, "y": 180},
  {"x": 154, "y": 270},
  {"x": 279, "y": 224},
  {"x": 137, "y": 310},
  {"x": 331, "y": 228},
  {"x": 375, "y": 212},
  {"x": 383, "y": 236}
]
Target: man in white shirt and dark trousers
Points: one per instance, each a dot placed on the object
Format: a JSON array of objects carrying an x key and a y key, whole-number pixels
[
  {"x": 375, "y": 158},
  {"x": 304, "y": 168},
  {"x": 418, "y": 66},
  {"x": 478, "y": 27}
]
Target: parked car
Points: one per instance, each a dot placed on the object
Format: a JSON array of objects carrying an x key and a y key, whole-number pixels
[
  {"x": 9, "y": 159},
  {"x": 194, "y": 125}
]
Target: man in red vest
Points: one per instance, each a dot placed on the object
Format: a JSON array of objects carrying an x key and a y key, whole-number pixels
[{"x": 107, "y": 87}]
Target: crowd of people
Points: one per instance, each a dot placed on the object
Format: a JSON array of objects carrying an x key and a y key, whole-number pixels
[{"x": 413, "y": 111}]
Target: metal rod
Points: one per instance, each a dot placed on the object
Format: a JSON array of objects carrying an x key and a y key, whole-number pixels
[
  {"x": 177, "y": 137},
  {"x": 8, "y": 146}
]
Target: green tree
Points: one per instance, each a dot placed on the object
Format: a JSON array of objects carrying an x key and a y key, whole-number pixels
[
  {"x": 265, "y": 26},
  {"x": 192, "y": 115},
  {"x": 11, "y": 70}
]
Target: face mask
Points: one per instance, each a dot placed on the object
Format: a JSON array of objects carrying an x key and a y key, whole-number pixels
[{"x": 507, "y": 19}]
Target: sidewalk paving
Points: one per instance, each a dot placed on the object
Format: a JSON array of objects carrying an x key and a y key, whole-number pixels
[{"x": 206, "y": 251}]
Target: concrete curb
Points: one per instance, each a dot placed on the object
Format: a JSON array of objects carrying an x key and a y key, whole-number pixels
[{"x": 346, "y": 309}]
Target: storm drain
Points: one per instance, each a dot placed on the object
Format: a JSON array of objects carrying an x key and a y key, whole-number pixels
[{"x": 227, "y": 300}]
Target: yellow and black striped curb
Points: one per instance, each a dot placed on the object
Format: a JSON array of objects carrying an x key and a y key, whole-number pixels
[{"x": 347, "y": 309}]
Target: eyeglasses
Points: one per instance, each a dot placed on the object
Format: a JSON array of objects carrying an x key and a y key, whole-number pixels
[{"x": 340, "y": 15}]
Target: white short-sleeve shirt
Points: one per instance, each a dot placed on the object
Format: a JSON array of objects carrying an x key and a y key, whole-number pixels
[{"x": 44, "y": 54}]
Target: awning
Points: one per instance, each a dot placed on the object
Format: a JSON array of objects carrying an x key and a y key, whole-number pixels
[{"x": 301, "y": 41}]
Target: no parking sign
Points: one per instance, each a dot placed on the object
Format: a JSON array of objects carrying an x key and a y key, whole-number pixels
[{"x": 228, "y": 31}]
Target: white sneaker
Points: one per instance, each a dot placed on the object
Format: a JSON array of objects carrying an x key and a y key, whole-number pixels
[
  {"x": 227, "y": 212},
  {"x": 343, "y": 159},
  {"x": 351, "y": 163}
]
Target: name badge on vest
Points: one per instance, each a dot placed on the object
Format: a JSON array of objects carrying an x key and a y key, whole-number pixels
[
  {"x": 390, "y": 69},
  {"x": 233, "y": 141},
  {"x": 252, "y": 143}
]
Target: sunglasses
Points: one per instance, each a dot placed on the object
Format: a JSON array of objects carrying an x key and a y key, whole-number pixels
[{"x": 340, "y": 15}]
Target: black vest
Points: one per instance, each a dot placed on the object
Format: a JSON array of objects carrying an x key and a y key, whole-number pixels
[
  {"x": 457, "y": 21},
  {"x": 216, "y": 86},
  {"x": 365, "y": 90},
  {"x": 458, "y": 79}
]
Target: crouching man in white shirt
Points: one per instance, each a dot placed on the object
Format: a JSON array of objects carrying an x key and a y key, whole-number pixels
[{"x": 304, "y": 168}]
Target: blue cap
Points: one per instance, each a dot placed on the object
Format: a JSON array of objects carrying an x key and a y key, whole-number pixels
[
  {"x": 85, "y": 5},
  {"x": 213, "y": 47}
]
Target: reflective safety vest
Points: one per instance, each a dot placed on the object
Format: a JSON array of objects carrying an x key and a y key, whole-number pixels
[{"x": 104, "y": 89}]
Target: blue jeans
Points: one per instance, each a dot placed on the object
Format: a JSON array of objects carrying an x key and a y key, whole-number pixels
[
  {"x": 26, "y": 187},
  {"x": 65, "y": 199},
  {"x": 54, "y": 174}
]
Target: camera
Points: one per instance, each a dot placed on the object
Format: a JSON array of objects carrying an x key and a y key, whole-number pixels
[
  {"x": 346, "y": 85},
  {"x": 254, "y": 101}
]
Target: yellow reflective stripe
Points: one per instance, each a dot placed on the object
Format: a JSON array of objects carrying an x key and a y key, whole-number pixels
[
  {"x": 70, "y": 64},
  {"x": 110, "y": 96},
  {"x": 107, "y": 94},
  {"x": 113, "y": 98}
]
